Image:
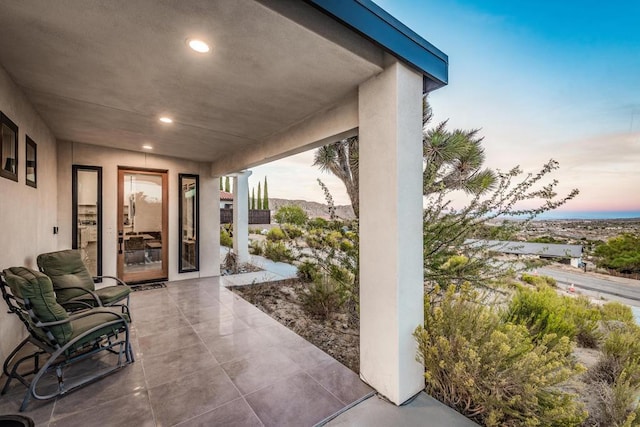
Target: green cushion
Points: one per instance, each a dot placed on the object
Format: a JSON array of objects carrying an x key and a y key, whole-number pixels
[
  {"x": 86, "y": 323},
  {"x": 108, "y": 295},
  {"x": 112, "y": 294},
  {"x": 66, "y": 269},
  {"x": 38, "y": 289}
]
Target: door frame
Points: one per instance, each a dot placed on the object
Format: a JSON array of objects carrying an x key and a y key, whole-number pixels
[{"x": 143, "y": 276}]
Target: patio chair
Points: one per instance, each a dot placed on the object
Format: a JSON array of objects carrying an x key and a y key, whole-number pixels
[
  {"x": 74, "y": 286},
  {"x": 61, "y": 339}
]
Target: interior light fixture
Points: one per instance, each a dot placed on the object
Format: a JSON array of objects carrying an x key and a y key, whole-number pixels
[
  {"x": 165, "y": 119},
  {"x": 147, "y": 147},
  {"x": 198, "y": 45}
]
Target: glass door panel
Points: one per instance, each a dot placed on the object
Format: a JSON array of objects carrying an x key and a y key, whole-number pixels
[
  {"x": 142, "y": 225},
  {"x": 87, "y": 216}
]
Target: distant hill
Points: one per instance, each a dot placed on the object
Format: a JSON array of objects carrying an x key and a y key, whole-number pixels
[{"x": 313, "y": 209}]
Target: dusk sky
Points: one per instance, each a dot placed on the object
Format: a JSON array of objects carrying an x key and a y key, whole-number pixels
[{"x": 542, "y": 79}]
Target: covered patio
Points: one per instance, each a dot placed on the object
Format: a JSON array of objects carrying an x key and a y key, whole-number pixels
[
  {"x": 114, "y": 86},
  {"x": 204, "y": 356}
]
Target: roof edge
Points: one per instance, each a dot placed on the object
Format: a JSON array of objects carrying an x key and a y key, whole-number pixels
[{"x": 373, "y": 22}]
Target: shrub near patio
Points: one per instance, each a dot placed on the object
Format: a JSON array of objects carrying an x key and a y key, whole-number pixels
[{"x": 491, "y": 369}]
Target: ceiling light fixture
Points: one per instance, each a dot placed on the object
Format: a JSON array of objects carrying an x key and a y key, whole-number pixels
[
  {"x": 147, "y": 147},
  {"x": 198, "y": 45},
  {"x": 165, "y": 119}
]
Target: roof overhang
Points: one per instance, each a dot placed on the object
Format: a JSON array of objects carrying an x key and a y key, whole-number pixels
[
  {"x": 102, "y": 73},
  {"x": 373, "y": 22}
]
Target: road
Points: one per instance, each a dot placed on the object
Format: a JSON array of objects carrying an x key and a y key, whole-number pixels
[{"x": 614, "y": 288}]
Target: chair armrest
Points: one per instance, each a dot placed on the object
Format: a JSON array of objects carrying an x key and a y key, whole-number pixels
[
  {"x": 118, "y": 281},
  {"x": 87, "y": 291}
]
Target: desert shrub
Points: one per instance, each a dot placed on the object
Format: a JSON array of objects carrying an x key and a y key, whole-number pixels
[
  {"x": 585, "y": 316},
  {"x": 277, "y": 251},
  {"x": 323, "y": 297},
  {"x": 620, "y": 352},
  {"x": 490, "y": 369},
  {"x": 617, "y": 311},
  {"x": 538, "y": 281},
  {"x": 615, "y": 378},
  {"x": 543, "y": 312},
  {"x": 333, "y": 239},
  {"x": 291, "y": 231},
  {"x": 308, "y": 271},
  {"x": 313, "y": 238},
  {"x": 275, "y": 234},
  {"x": 615, "y": 406},
  {"x": 225, "y": 238},
  {"x": 256, "y": 247},
  {"x": 317, "y": 223},
  {"x": 291, "y": 214}
]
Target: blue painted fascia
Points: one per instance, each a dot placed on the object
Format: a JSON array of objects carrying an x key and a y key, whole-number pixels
[{"x": 370, "y": 20}]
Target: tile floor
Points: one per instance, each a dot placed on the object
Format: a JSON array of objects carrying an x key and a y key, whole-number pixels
[{"x": 205, "y": 357}]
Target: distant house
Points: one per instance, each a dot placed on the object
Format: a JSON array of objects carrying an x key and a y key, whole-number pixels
[
  {"x": 226, "y": 200},
  {"x": 570, "y": 253}
]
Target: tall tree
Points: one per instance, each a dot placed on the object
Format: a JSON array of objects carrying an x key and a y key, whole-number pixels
[
  {"x": 341, "y": 159},
  {"x": 227, "y": 185},
  {"x": 265, "y": 195},
  {"x": 253, "y": 198},
  {"x": 453, "y": 161},
  {"x": 259, "y": 206},
  {"x": 221, "y": 187}
]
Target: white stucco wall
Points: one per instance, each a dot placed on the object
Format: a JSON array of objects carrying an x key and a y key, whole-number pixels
[
  {"x": 70, "y": 153},
  {"x": 27, "y": 215}
]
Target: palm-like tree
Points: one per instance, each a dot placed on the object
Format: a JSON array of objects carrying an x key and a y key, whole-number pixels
[
  {"x": 453, "y": 161},
  {"x": 341, "y": 159}
]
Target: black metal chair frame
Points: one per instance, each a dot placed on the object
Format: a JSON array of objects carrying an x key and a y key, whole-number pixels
[{"x": 61, "y": 356}]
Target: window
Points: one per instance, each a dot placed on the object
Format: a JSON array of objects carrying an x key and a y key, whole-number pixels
[
  {"x": 189, "y": 245},
  {"x": 9, "y": 149}
]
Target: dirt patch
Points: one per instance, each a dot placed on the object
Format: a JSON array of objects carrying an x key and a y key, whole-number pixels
[{"x": 282, "y": 302}]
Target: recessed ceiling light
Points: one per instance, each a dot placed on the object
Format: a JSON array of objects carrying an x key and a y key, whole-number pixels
[
  {"x": 147, "y": 147},
  {"x": 165, "y": 119},
  {"x": 198, "y": 45}
]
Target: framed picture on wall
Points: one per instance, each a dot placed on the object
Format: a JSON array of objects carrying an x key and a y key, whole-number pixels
[
  {"x": 9, "y": 148},
  {"x": 31, "y": 163}
]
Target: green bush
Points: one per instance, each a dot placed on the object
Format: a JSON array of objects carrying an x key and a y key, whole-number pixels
[
  {"x": 317, "y": 223},
  {"x": 586, "y": 317},
  {"x": 490, "y": 369},
  {"x": 277, "y": 251},
  {"x": 543, "y": 312},
  {"x": 291, "y": 214},
  {"x": 538, "y": 281},
  {"x": 308, "y": 271},
  {"x": 617, "y": 311},
  {"x": 256, "y": 247},
  {"x": 292, "y": 231},
  {"x": 323, "y": 297},
  {"x": 276, "y": 234},
  {"x": 225, "y": 238},
  {"x": 615, "y": 378}
]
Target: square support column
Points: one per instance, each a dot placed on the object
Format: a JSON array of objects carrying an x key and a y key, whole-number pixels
[
  {"x": 209, "y": 206},
  {"x": 391, "y": 261},
  {"x": 241, "y": 215}
]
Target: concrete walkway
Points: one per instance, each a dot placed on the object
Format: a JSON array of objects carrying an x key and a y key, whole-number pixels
[
  {"x": 272, "y": 271},
  {"x": 423, "y": 410}
]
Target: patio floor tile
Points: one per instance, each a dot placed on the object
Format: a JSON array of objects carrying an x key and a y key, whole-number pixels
[
  {"x": 257, "y": 372},
  {"x": 174, "y": 365},
  {"x": 191, "y": 396},
  {"x": 294, "y": 401},
  {"x": 341, "y": 381},
  {"x": 234, "y": 413},
  {"x": 131, "y": 410}
]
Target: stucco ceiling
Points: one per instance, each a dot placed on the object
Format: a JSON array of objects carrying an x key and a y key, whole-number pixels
[{"x": 102, "y": 72}]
